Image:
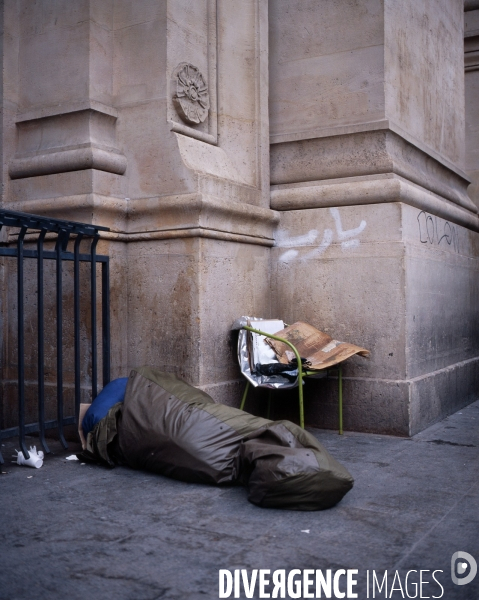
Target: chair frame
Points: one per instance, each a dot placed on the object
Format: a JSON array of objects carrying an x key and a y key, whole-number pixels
[{"x": 302, "y": 373}]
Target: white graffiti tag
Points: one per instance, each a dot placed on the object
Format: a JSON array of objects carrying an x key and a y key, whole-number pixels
[{"x": 347, "y": 238}]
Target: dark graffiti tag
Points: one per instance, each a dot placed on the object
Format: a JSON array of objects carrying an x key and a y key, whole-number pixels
[{"x": 433, "y": 230}]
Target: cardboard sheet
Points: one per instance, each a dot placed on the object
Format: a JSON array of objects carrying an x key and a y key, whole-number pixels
[{"x": 319, "y": 349}]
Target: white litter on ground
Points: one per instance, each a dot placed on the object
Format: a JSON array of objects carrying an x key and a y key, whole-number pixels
[{"x": 35, "y": 460}]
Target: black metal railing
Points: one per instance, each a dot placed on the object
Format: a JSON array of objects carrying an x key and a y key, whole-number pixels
[{"x": 37, "y": 231}]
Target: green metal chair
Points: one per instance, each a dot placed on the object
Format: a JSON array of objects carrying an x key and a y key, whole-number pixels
[{"x": 302, "y": 374}]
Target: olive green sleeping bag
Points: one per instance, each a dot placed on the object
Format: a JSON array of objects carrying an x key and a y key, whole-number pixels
[{"x": 172, "y": 428}]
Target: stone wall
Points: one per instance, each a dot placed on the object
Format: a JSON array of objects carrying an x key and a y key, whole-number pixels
[
  {"x": 342, "y": 202},
  {"x": 377, "y": 242},
  {"x": 471, "y": 61}
]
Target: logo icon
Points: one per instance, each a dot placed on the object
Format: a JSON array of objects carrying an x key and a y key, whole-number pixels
[{"x": 459, "y": 568}]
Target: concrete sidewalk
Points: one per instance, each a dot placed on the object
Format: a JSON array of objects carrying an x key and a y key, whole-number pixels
[{"x": 76, "y": 532}]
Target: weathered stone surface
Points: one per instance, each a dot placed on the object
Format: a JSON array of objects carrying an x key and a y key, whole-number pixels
[
  {"x": 326, "y": 66},
  {"x": 471, "y": 61},
  {"x": 344, "y": 203},
  {"x": 396, "y": 280},
  {"x": 377, "y": 239},
  {"x": 366, "y": 154},
  {"x": 424, "y": 81}
]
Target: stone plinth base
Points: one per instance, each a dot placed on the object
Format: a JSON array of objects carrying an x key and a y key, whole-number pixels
[{"x": 396, "y": 280}]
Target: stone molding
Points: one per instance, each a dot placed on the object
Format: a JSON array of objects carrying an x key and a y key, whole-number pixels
[
  {"x": 321, "y": 132},
  {"x": 65, "y": 108},
  {"x": 88, "y": 127},
  {"x": 195, "y": 232},
  {"x": 91, "y": 157},
  {"x": 358, "y": 151},
  {"x": 380, "y": 125},
  {"x": 471, "y": 54},
  {"x": 198, "y": 135},
  {"x": 373, "y": 189},
  {"x": 471, "y": 37},
  {"x": 370, "y": 154},
  {"x": 412, "y": 402},
  {"x": 436, "y": 385},
  {"x": 471, "y": 61},
  {"x": 471, "y": 5},
  {"x": 170, "y": 217}
]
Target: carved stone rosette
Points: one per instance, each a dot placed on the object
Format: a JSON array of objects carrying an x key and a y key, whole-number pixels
[{"x": 190, "y": 93}]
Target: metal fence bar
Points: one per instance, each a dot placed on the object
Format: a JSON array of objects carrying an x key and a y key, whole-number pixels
[
  {"x": 1, "y": 402},
  {"x": 35, "y": 427},
  {"x": 18, "y": 219},
  {"x": 76, "y": 320},
  {"x": 105, "y": 319},
  {"x": 94, "y": 355},
  {"x": 51, "y": 254},
  {"x": 41, "y": 341},
  {"x": 59, "y": 305},
  {"x": 42, "y": 227},
  {"x": 21, "y": 344}
]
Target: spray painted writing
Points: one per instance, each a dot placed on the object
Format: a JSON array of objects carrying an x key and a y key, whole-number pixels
[
  {"x": 433, "y": 230},
  {"x": 348, "y": 239}
]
